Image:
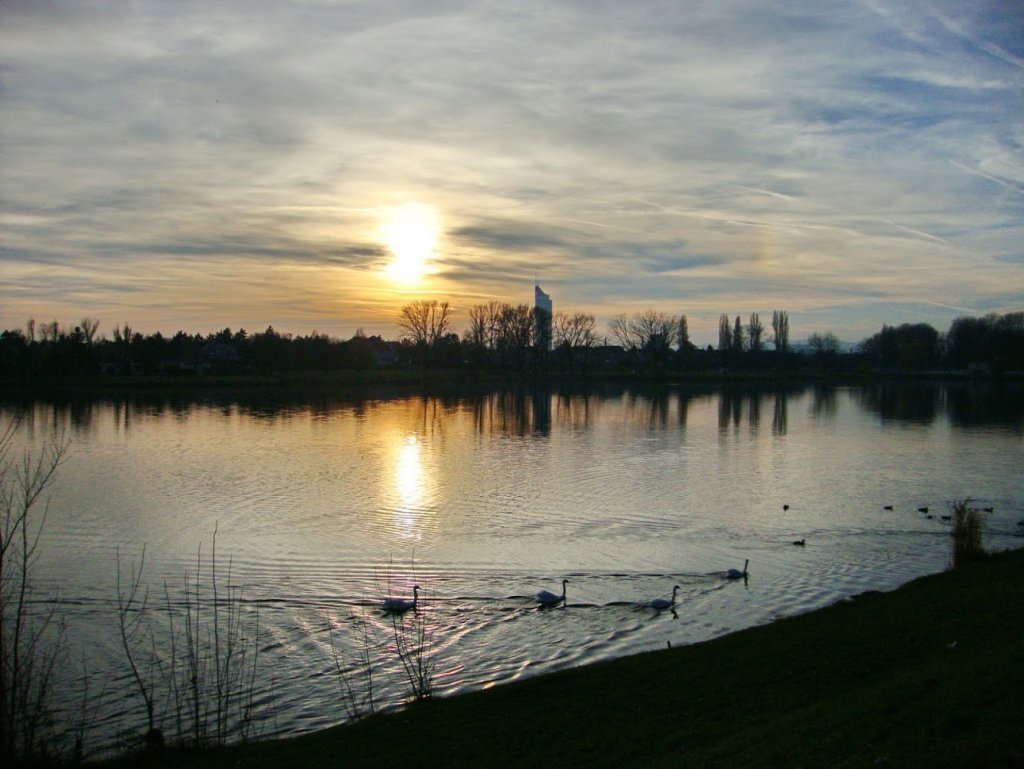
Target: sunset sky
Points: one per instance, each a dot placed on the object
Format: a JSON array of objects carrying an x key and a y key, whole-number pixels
[{"x": 315, "y": 165}]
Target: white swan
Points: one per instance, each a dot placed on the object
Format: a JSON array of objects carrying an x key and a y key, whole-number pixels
[
  {"x": 664, "y": 603},
  {"x": 547, "y": 598},
  {"x": 736, "y": 573},
  {"x": 400, "y": 605}
]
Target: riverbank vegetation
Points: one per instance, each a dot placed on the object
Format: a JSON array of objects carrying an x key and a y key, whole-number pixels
[
  {"x": 926, "y": 676},
  {"x": 502, "y": 342}
]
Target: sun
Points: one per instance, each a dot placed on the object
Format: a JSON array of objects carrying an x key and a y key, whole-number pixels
[{"x": 410, "y": 232}]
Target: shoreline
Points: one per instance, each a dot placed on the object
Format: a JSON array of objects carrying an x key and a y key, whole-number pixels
[
  {"x": 459, "y": 379},
  {"x": 928, "y": 674}
]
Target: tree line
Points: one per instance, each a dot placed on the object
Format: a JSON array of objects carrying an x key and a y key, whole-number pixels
[
  {"x": 995, "y": 342},
  {"x": 507, "y": 337}
]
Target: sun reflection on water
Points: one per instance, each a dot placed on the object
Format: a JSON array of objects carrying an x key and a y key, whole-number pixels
[
  {"x": 410, "y": 473},
  {"x": 409, "y": 485}
]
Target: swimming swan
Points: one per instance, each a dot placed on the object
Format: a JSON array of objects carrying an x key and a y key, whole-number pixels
[
  {"x": 400, "y": 605},
  {"x": 547, "y": 598},
  {"x": 664, "y": 603},
  {"x": 736, "y": 573}
]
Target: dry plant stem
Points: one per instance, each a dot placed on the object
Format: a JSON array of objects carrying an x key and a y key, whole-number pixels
[
  {"x": 87, "y": 710},
  {"x": 175, "y": 693},
  {"x": 246, "y": 716},
  {"x": 209, "y": 678},
  {"x": 131, "y": 611},
  {"x": 196, "y": 664},
  {"x": 31, "y": 644},
  {"x": 414, "y": 646},
  {"x": 220, "y": 672},
  {"x": 356, "y": 707}
]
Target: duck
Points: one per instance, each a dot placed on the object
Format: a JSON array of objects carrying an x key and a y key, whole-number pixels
[
  {"x": 887, "y": 507},
  {"x": 664, "y": 603},
  {"x": 736, "y": 573},
  {"x": 923, "y": 509},
  {"x": 800, "y": 542},
  {"x": 394, "y": 605},
  {"x": 547, "y": 598},
  {"x": 785, "y": 507}
]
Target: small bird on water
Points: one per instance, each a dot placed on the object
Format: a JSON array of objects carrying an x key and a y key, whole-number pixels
[
  {"x": 394, "y": 605},
  {"x": 800, "y": 542},
  {"x": 664, "y": 603},
  {"x": 736, "y": 573},
  {"x": 547, "y": 598}
]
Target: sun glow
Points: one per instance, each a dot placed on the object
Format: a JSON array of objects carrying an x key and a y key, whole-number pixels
[{"x": 410, "y": 232}]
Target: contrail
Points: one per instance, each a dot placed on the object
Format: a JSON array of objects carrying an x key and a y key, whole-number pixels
[
  {"x": 990, "y": 177},
  {"x": 985, "y": 45}
]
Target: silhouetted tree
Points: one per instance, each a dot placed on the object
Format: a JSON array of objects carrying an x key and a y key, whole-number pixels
[
  {"x": 359, "y": 351},
  {"x": 514, "y": 334},
  {"x": 995, "y": 340},
  {"x": 619, "y": 328},
  {"x": 724, "y": 333},
  {"x": 684, "y": 335},
  {"x": 270, "y": 350},
  {"x": 754, "y": 333},
  {"x": 823, "y": 344},
  {"x": 14, "y": 353},
  {"x": 89, "y": 326},
  {"x": 575, "y": 337},
  {"x": 448, "y": 351},
  {"x": 1010, "y": 341},
  {"x": 780, "y": 330},
  {"x": 647, "y": 335},
  {"x": 911, "y": 346},
  {"x": 50, "y": 332},
  {"x": 655, "y": 330},
  {"x": 424, "y": 321}
]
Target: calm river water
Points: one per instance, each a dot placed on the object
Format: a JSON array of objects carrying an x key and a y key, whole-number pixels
[{"x": 324, "y": 505}]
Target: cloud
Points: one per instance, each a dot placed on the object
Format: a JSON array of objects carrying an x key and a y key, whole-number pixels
[
  {"x": 510, "y": 236},
  {"x": 739, "y": 153}
]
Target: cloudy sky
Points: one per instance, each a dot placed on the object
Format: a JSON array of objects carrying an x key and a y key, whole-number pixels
[{"x": 180, "y": 164}]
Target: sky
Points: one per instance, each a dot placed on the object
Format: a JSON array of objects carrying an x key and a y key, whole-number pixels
[{"x": 315, "y": 165}]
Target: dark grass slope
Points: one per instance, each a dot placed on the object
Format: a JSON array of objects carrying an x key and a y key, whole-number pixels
[{"x": 930, "y": 675}]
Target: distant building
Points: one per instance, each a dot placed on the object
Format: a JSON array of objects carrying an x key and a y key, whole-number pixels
[{"x": 542, "y": 318}]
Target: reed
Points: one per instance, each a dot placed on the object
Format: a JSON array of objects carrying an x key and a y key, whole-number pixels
[{"x": 967, "y": 533}]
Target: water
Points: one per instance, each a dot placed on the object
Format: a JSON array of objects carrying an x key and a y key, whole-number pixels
[{"x": 323, "y": 505}]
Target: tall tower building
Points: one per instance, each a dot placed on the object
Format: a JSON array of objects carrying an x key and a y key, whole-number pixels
[{"x": 542, "y": 318}]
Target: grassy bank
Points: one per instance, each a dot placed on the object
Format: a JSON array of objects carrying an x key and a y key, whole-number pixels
[{"x": 930, "y": 675}]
